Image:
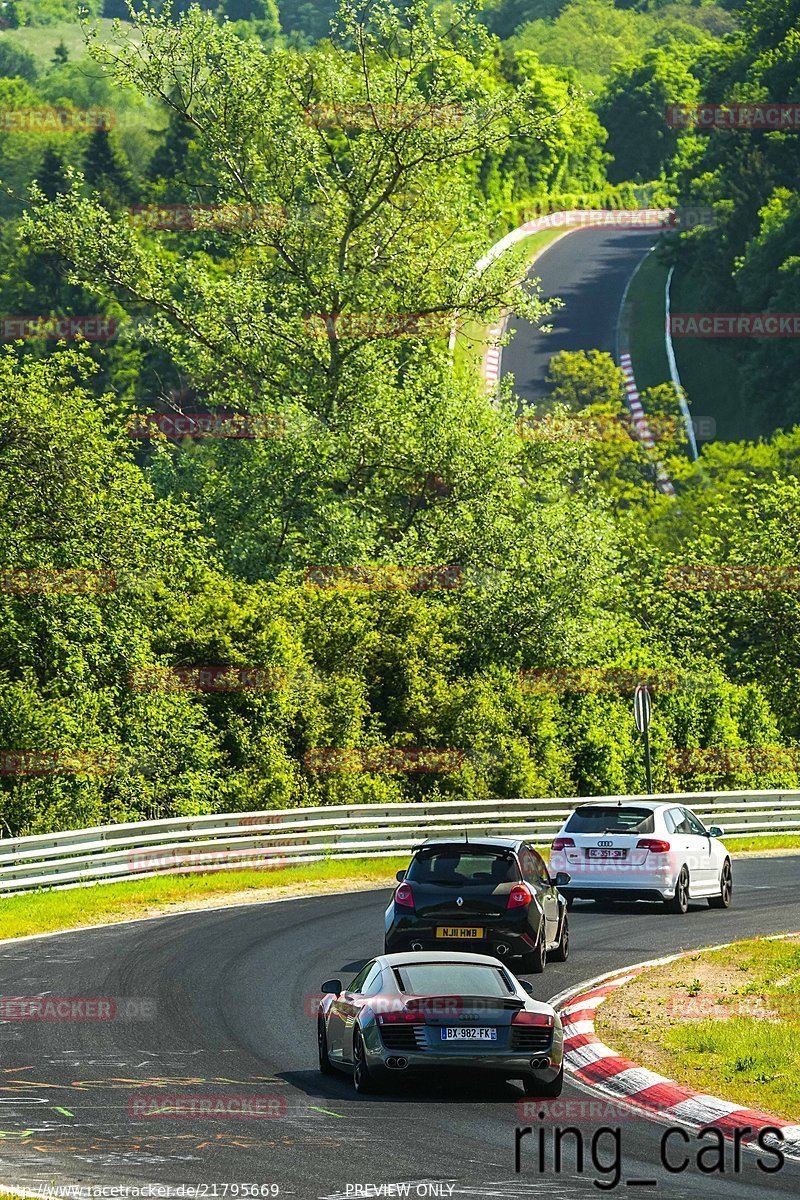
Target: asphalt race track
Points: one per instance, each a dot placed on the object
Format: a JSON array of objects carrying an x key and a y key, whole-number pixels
[
  {"x": 588, "y": 270},
  {"x": 216, "y": 1003}
]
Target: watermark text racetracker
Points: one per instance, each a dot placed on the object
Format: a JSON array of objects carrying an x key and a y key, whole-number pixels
[
  {"x": 379, "y": 325},
  {"x": 386, "y": 577},
  {"x": 722, "y": 1006},
  {"x": 268, "y": 858},
  {"x": 93, "y": 327},
  {"x": 207, "y": 678},
  {"x": 621, "y": 428},
  {"x": 735, "y": 325},
  {"x": 561, "y": 681},
  {"x": 431, "y": 1008},
  {"x": 205, "y": 425},
  {"x": 25, "y": 120},
  {"x": 177, "y": 1107},
  {"x": 733, "y": 116},
  {"x": 61, "y": 581},
  {"x": 182, "y": 218},
  {"x": 739, "y": 577},
  {"x": 77, "y": 1008},
  {"x": 417, "y": 759},
  {"x": 731, "y": 760}
]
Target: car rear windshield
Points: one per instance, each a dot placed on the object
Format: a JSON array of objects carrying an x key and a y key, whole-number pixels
[
  {"x": 597, "y": 818},
  {"x": 458, "y": 868},
  {"x": 452, "y": 979}
]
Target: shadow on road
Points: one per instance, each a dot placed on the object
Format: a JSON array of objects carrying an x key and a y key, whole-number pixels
[{"x": 455, "y": 1088}]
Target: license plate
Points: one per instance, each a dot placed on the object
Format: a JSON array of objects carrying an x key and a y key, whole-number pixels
[
  {"x": 468, "y": 1033},
  {"x": 593, "y": 853},
  {"x": 464, "y": 931}
]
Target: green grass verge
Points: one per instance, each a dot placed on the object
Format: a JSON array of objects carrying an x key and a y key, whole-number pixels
[
  {"x": 709, "y": 370},
  {"x": 725, "y": 1023},
  {"x": 645, "y": 323},
  {"x": 46, "y": 911},
  {"x": 41, "y": 40},
  {"x": 473, "y": 341},
  {"x": 754, "y": 845}
]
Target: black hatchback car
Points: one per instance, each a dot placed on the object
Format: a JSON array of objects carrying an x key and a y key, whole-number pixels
[{"x": 491, "y": 896}]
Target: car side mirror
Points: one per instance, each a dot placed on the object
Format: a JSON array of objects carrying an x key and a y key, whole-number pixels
[
  {"x": 562, "y": 879},
  {"x": 715, "y": 831},
  {"x": 527, "y": 985},
  {"x": 400, "y": 876},
  {"x": 332, "y": 985}
]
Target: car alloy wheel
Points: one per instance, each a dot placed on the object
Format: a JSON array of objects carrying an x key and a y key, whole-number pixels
[
  {"x": 362, "y": 1079},
  {"x": 723, "y": 900},
  {"x": 679, "y": 903}
]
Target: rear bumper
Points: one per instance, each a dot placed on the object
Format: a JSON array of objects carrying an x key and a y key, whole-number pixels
[
  {"x": 508, "y": 1067},
  {"x": 515, "y": 941},
  {"x": 630, "y": 881},
  {"x": 516, "y": 930},
  {"x": 511, "y": 1065},
  {"x": 475, "y": 1056},
  {"x": 617, "y": 891}
]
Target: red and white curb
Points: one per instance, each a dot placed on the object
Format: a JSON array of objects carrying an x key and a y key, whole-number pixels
[
  {"x": 598, "y": 1068},
  {"x": 640, "y": 422},
  {"x": 493, "y": 357}
]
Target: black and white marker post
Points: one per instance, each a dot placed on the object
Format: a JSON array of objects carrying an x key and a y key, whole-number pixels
[{"x": 641, "y": 714}]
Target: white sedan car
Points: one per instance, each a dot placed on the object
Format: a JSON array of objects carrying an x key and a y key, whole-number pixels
[{"x": 647, "y": 850}]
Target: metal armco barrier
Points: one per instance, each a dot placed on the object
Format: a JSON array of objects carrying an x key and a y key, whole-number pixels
[{"x": 284, "y": 837}]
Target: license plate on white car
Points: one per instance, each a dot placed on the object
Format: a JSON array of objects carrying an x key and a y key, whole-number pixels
[
  {"x": 468, "y": 1033},
  {"x": 595, "y": 853}
]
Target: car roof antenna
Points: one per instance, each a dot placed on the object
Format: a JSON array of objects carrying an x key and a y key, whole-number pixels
[{"x": 466, "y": 837}]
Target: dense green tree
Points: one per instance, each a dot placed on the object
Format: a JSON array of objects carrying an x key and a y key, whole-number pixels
[
  {"x": 634, "y": 111},
  {"x": 250, "y": 10},
  {"x": 73, "y": 502},
  {"x": 558, "y": 551},
  {"x": 52, "y": 176},
  {"x": 17, "y": 62},
  {"x": 106, "y": 170},
  {"x": 748, "y": 178}
]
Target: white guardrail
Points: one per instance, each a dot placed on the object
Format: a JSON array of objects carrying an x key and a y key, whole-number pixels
[{"x": 285, "y": 837}]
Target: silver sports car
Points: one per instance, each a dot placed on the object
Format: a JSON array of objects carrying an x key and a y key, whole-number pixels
[{"x": 430, "y": 1011}]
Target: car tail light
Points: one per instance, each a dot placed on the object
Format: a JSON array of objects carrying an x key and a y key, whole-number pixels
[
  {"x": 401, "y": 1016},
  {"x": 530, "y": 1018},
  {"x": 519, "y": 896},
  {"x": 654, "y": 845},
  {"x": 563, "y": 843},
  {"x": 404, "y": 896}
]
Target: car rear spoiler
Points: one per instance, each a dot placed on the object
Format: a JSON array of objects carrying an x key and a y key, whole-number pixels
[
  {"x": 459, "y": 844},
  {"x": 512, "y": 1003}
]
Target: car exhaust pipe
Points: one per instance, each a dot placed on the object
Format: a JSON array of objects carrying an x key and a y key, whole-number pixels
[
  {"x": 416, "y": 945},
  {"x": 397, "y": 1064},
  {"x": 540, "y": 1064},
  {"x": 502, "y": 949}
]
